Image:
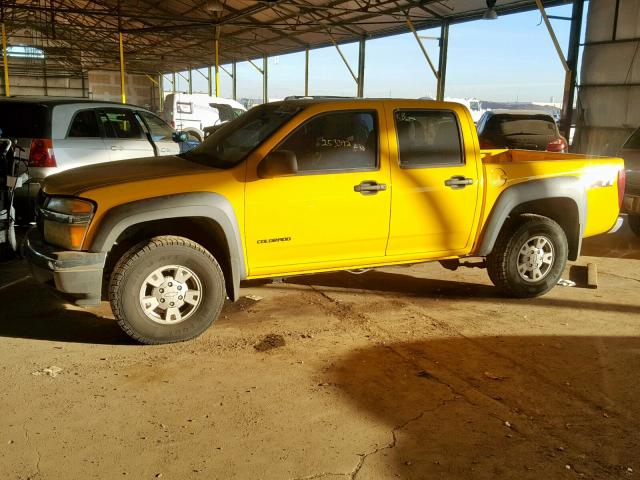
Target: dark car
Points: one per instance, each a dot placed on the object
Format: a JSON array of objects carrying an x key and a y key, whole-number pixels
[
  {"x": 631, "y": 154},
  {"x": 522, "y": 129}
]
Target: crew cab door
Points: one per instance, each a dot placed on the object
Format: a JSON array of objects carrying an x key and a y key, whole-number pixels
[
  {"x": 335, "y": 211},
  {"x": 434, "y": 170},
  {"x": 124, "y": 136}
]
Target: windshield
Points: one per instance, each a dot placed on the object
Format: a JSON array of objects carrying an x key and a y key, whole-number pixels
[
  {"x": 522, "y": 124},
  {"x": 231, "y": 143}
]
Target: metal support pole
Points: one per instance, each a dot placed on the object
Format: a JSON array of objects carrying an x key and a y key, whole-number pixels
[
  {"x": 190, "y": 80},
  {"x": 306, "y": 72},
  {"x": 572, "y": 61},
  {"x": 5, "y": 62},
  {"x": 123, "y": 93},
  {"x": 361, "y": 52},
  {"x": 442, "y": 59},
  {"x": 173, "y": 82},
  {"x": 210, "y": 81},
  {"x": 160, "y": 93},
  {"x": 265, "y": 79},
  {"x": 217, "y": 46},
  {"x": 552, "y": 34},
  {"x": 234, "y": 76}
]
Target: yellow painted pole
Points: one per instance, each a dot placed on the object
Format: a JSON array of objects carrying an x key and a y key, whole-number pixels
[
  {"x": 123, "y": 93},
  {"x": 5, "y": 59},
  {"x": 217, "y": 67}
]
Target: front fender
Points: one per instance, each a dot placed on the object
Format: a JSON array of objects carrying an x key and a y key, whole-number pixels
[{"x": 195, "y": 204}]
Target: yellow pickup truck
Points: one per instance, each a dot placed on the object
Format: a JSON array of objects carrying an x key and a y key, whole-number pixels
[{"x": 313, "y": 185}]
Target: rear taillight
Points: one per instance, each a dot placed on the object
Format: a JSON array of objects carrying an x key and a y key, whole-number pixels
[
  {"x": 558, "y": 145},
  {"x": 622, "y": 179},
  {"x": 41, "y": 153}
]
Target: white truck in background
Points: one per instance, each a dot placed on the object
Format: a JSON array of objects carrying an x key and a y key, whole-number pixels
[
  {"x": 473, "y": 104},
  {"x": 191, "y": 113}
]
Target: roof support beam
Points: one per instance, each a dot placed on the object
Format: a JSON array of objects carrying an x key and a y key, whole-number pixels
[
  {"x": 306, "y": 72},
  {"x": 234, "y": 77},
  {"x": 265, "y": 79},
  {"x": 421, "y": 45},
  {"x": 552, "y": 34},
  {"x": 344, "y": 59}
]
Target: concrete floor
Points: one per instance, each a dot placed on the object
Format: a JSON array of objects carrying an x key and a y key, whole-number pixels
[{"x": 410, "y": 372}]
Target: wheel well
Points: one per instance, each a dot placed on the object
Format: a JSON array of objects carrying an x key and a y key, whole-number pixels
[
  {"x": 204, "y": 231},
  {"x": 563, "y": 211}
]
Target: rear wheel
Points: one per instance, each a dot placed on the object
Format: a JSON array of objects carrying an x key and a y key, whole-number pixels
[
  {"x": 165, "y": 290},
  {"x": 634, "y": 224},
  {"x": 528, "y": 257}
]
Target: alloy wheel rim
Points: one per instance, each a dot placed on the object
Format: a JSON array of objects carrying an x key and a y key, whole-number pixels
[
  {"x": 535, "y": 259},
  {"x": 170, "y": 294}
]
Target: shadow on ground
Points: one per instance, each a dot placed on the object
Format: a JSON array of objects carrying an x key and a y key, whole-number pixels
[
  {"x": 31, "y": 310},
  {"x": 413, "y": 286},
  {"x": 498, "y": 407},
  {"x": 622, "y": 244}
]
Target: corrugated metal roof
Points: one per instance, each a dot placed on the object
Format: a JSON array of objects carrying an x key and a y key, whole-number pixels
[{"x": 166, "y": 35}]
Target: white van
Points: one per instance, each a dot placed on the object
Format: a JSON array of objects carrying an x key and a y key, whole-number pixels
[{"x": 191, "y": 113}]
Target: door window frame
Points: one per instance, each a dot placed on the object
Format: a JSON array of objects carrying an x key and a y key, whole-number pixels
[
  {"x": 377, "y": 125},
  {"x": 463, "y": 154}
]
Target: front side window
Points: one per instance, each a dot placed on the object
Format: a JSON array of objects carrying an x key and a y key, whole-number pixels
[
  {"x": 229, "y": 144},
  {"x": 120, "y": 124},
  {"x": 428, "y": 138},
  {"x": 159, "y": 130},
  {"x": 84, "y": 125},
  {"x": 335, "y": 141}
]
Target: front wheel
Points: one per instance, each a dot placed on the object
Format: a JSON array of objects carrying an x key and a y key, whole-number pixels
[
  {"x": 528, "y": 257},
  {"x": 634, "y": 224},
  {"x": 168, "y": 289}
]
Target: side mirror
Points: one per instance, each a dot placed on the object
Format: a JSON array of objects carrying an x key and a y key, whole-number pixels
[
  {"x": 279, "y": 163},
  {"x": 179, "y": 137}
]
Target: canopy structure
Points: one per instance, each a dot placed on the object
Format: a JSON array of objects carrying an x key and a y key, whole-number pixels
[{"x": 170, "y": 35}]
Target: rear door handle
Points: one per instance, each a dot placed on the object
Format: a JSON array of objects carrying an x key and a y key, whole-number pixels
[
  {"x": 369, "y": 187},
  {"x": 458, "y": 181},
  {"x": 116, "y": 147}
]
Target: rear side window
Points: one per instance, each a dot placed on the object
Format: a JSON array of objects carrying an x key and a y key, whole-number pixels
[
  {"x": 24, "y": 120},
  {"x": 428, "y": 138},
  {"x": 634, "y": 141},
  {"x": 157, "y": 128},
  {"x": 120, "y": 124},
  {"x": 84, "y": 125},
  {"x": 340, "y": 141}
]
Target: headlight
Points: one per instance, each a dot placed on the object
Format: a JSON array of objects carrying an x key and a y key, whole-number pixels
[{"x": 66, "y": 221}]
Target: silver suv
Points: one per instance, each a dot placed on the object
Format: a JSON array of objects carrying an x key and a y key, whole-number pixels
[{"x": 56, "y": 134}]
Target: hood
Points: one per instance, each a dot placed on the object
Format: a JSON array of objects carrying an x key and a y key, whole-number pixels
[{"x": 90, "y": 177}]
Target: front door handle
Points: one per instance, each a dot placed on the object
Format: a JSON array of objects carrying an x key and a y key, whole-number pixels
[
  {"x": 369, "y": 187},
  {"x": 116, "y": 147},
  {"x": 458, "y": 181}
]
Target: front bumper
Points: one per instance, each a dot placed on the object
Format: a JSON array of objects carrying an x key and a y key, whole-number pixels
[
  {"x": 76, "y": 273},
  {"x": 631, "y": 204}
]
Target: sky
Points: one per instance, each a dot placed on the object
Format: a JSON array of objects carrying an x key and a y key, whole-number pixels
[{"x": 508, "y": 59}]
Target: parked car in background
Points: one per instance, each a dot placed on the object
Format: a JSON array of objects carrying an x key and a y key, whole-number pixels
[
  {"x": 192, "y": 113},
  {"x": 56, "y": 134},
  {"x": 522, "y": 129},
  {"x": 631, "y": 154}
]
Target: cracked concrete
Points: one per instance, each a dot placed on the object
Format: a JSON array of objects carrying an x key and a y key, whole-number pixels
[{"x": 410, "y": 372}]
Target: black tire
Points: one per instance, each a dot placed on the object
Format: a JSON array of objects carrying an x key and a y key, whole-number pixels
[
  {"x": 133, "y": 270},
  {"x": 634, "y": 224},
  {"x": 502, "y": 262}
]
